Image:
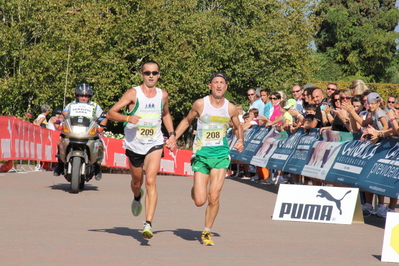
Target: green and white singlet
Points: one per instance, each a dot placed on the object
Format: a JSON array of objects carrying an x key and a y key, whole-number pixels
[
  {"x": 145, "y": 134},
  {"x": 210, "y": 140}
]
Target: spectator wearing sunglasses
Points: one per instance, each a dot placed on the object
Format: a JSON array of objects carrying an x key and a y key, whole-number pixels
[
  {"x": 390, "y": 103},
  {"x": 331, "y": 88},
  {"x": 297, "y": 92},
  {"x": 341, "y": 121},
  {"x": 255, "y": 100},
  {"x": 147, "y": 106}
]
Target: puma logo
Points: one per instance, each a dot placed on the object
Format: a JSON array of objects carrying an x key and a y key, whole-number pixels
[{"x": 327, "y": 196}]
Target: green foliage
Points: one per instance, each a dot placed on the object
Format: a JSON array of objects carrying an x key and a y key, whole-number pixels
[
  {"x": 359, "y": 36},
  {"x": 50, "y": 46},
  {"x": 327, "y": 68}
]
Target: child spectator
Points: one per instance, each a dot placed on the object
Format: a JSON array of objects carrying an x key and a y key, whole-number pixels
[
  {"x": 310, "y": 109},
  {"x": 287, "y": 117},
  {"x": 251, "y": 119}
]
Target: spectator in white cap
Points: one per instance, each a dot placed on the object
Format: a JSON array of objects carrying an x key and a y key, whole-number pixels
[{"x": 378, "y": 120}]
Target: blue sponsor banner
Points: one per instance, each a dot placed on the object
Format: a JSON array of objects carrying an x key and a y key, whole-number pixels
[
  {"x": 267, "y": 147},
  {"x": 338, "y": 157},
  {"x": 253, "y": 138},
  {"x": 380, "y": 174},
  {"x": 323, "y": 153},
  {"x": 280, "y": 153},
  {"x": 301, "y": 152},
  {"x": 348, "y": 164}
]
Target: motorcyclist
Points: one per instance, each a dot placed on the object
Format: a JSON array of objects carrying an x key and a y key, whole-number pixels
[{"x": 83, "y": 94}]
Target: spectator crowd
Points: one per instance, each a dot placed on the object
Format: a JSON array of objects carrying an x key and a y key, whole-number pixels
[{"x": 355, "y": 109}]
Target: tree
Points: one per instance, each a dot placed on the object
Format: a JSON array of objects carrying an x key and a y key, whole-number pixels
[
  {"x": 359, "y": 36},
  {"x": 50, "y": 46}
]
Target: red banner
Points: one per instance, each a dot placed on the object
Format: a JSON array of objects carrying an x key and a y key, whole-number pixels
[{"x": 21, "y": 140}]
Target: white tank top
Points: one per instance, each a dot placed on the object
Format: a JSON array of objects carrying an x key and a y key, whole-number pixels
[
  {"x": 212, "y": 125},
  {"x": 145, "y": 134}
]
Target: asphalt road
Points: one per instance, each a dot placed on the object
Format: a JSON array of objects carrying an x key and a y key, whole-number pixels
[{"x": 41, "y": 223}]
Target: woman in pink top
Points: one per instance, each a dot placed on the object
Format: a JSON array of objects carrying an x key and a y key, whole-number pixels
[{"x": 275, "y": 113}]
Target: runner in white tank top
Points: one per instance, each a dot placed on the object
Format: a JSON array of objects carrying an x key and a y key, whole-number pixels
[{"x": 147, "y": 105}]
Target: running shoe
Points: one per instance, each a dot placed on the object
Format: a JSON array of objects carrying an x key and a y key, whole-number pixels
[
  {"x": 280, "y": 180},
  {"x": 147, "y": 231},
  {"x": 97, "y": 172},
  {"x": 206, "y": 238},
  {"x": 136, "y": 205},
  {"x": 270, "y": 180},
  {"x": 367, "y": 208},
  {"x": 381, "y": 211}
]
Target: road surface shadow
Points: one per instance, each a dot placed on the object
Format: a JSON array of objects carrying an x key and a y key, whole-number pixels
[
  {"x": 186, "y": 234},
  {"x": 67, "y": 187},
  {"x": 125, "y": 231}
]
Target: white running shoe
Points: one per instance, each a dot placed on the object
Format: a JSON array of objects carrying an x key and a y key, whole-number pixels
[
  {"x": 280, "y": 180},
  {"x": 381, "y": 211},
  {"x": 136, "y": 205},
  {"x": 367, "y": 208}
]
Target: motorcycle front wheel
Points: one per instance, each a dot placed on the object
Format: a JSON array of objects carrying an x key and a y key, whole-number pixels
[{"x": 75, "y": 178}]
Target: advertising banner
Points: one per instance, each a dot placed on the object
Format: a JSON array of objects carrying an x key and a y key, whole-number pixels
[
  {"x": 317, "y": 204},
  {"x": 333, "y": 156}
]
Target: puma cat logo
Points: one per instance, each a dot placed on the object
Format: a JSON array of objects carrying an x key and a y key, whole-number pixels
[{"x": 327, "y": 196}]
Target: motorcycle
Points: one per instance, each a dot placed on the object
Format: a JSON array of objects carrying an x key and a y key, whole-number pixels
[{"x": 80, "y": 146}]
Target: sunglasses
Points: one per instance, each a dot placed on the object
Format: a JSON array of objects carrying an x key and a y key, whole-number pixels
[
  {"x": 296, "y": 91},
  {"x": 273, "y": 98},
  {"x": 335, "y": 100},
  {"x": 149, "y": 73},
  {"x": 251, "y": 94},
  {"x": 347, "y": 98},
  {"x": 331, "y": 89},
  {"x": 390, "y": 102}
]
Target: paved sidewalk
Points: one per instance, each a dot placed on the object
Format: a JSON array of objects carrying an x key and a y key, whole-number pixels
[{"x": 41, "y": 223}]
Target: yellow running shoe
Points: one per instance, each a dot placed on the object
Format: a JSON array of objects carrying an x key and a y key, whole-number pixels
[
  {"x": 147, "y": 231},
  {"x": 206, "y": 238}
]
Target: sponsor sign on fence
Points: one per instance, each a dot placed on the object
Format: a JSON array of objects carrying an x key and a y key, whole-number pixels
[{"x": 318, "y": 204}]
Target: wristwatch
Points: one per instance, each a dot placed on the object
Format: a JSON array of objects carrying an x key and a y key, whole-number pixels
[{"x": 172, "y": 134}]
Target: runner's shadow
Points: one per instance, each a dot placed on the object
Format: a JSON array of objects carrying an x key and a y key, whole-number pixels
[
  {"x": 190, "y": 235},
  {"x": 124, "y": 231},
  {"x": 67, "y": 187}
]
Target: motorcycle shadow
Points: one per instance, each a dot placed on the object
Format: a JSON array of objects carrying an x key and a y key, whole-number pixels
[{"x": 67, "y": 187}]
